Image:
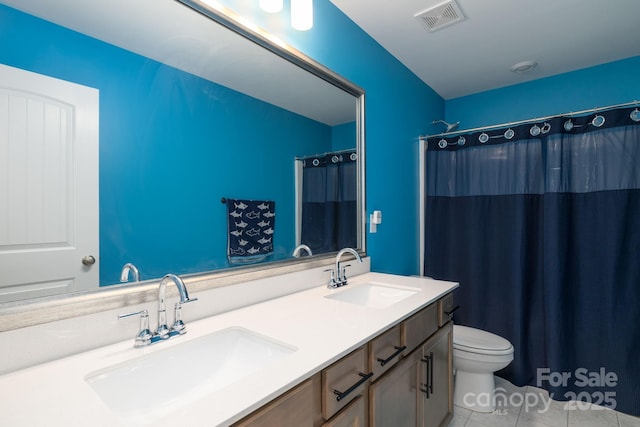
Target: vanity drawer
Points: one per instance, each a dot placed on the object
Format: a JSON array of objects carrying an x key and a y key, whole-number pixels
[
  {"x": 344, "y": 381},
  {"x": 419, "y": 327},
  {"x": 385, "y": 351},
  {"x": 446, "y": 309},
  {"x": 296, "y": 407}
]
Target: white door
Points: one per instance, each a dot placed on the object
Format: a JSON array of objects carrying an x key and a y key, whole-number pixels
[{"x": 48, "y": 185}]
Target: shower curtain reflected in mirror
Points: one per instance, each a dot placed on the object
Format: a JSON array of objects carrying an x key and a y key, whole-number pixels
[
  {"x": 329, "y": 202},
  {"x": 543, "y": 234}
]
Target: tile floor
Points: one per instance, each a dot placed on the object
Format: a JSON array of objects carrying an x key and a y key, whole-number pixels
[{"x": 531, "y": 407}]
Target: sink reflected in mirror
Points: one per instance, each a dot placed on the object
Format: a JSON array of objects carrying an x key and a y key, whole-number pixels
[
  {"x": 151, "y": 386},
  {"x": 372, "y": 295}
]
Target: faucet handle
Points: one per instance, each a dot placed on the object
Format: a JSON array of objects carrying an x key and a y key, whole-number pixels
[
  {"x": 343, "y": 277},
  {"x": 143, "y": 337},
  {"x": 178, "y": 325},
  {"x": 162, "y": 332},
  {"x": 332, "y": 283},
  {"x": 141, "y": 312}
]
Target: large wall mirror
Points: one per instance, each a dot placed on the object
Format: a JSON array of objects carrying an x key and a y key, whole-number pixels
[{"x": 194, "y": 108}]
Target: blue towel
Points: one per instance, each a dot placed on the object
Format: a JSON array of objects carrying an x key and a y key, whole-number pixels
[{"x": 251, "y": 228}]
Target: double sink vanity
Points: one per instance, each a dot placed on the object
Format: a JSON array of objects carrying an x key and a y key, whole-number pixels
[{"x": 374, "y": 352}]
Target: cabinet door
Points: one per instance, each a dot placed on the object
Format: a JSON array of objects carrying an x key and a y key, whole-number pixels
[
  {"x": 435, "y": 391},
  {"x": 393, "y": 398},
  {"x": 296, "y": 408}
]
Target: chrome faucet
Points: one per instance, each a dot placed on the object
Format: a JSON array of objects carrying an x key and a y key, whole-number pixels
[
  {"x": 124, "y": 275},
  {"x": 163, "y": 331},
  {"x": 300, "y": 248},
  {"x": 144, "y": 336},
  {"x": 338, "y": 278}
]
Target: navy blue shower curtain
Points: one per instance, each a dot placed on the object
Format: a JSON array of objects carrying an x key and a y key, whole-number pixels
[
  {"x": 329, "y": 202},
  {"x": 540, "y": 224}
]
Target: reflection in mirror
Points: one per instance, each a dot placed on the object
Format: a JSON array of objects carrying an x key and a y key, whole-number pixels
[
  {"x": 327, "y": 205},
  {"x": 189, "y": 112}
]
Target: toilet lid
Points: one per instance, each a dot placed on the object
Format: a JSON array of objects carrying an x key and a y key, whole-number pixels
[{"x": 478, "y": 341}]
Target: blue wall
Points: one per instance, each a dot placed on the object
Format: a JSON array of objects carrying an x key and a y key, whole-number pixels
[
  {"x": 607, "y": 84},
  {"x": 399, "y": 107},
  {"x": 343, "y": 136},
  {"x": 151, "y": 212}
]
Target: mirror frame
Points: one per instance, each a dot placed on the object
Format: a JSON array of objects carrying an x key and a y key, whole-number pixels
[{"x": 20, "y": 314}]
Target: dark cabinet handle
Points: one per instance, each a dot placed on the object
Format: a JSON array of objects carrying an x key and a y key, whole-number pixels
[
  {"x": 431, "y": 372},
  {"x": 425, "y": 388},
  {"x": 450, "y": 312},
  {"x": 388, "y": 359},
  {"x": 428, "y": 386},
  {"x": 342, "y": 394}
]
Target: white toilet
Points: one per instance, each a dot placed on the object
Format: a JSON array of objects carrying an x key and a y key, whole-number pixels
[{"x": 477, "y": 355}]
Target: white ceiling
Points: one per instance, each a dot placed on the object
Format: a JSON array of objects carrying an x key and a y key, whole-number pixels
[
  {"x": 465, "y": 58},
  {"x": 475, "y": 55}
]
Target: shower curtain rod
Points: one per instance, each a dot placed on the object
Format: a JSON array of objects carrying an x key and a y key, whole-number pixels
[
  {"x": 537, "y": 119},
  {"x": 346, "y": 150}
]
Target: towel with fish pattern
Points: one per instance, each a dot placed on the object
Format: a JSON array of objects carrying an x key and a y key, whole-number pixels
[{"x": 251, "y": 228}]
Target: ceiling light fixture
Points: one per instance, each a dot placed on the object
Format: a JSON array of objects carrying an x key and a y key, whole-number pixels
[
  {"x": 302, "y": 14},
  {"x": 271, "y": 6},
  {"x": 524, "y": 66}
]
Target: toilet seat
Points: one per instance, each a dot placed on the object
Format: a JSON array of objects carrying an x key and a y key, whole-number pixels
[{"x": 480, "y": 342}]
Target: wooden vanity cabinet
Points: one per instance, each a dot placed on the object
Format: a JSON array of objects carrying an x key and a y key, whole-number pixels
[
  {"x": 314, "y": 403},
  {"x": 419, "y": 390},
  {"x": 413, "y": 387},
  {"x": 299, "y": 407}
]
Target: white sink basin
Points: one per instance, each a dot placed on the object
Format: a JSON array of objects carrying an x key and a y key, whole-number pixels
[
  {"x": 372, "y": 295},
  {"x": 151, "y": 386}
]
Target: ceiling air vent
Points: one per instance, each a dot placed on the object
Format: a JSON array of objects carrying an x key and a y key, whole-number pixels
[{"x": 440, "y": 16}]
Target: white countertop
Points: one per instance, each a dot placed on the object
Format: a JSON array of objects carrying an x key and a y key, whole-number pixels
[{"x": 321, "y": 329}]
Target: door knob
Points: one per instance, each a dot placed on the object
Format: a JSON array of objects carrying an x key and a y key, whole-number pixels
[{"x": 88, "y": 260}]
